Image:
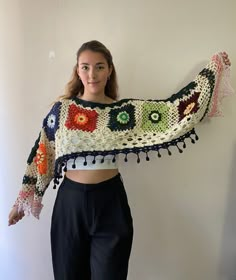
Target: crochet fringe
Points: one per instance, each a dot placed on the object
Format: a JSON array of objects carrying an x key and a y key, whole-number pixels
[{"x": 61, "y": 163}]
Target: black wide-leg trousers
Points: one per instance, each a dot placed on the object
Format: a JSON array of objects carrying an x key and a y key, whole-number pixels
[{"x": 91, "y": 231}]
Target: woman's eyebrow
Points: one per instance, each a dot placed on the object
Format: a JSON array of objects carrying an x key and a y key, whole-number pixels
[{"x": 84, "y": 63}]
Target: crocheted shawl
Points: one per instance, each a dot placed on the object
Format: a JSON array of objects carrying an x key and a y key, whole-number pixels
[{"x": 78, "y": 128}]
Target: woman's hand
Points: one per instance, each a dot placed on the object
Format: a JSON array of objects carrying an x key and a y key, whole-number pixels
[
  {"x": 225, "y": 58},
  {"x": 15, "y": 216}
]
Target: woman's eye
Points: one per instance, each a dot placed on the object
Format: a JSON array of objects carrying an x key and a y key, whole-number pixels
[{"x": 86, "y": 67}]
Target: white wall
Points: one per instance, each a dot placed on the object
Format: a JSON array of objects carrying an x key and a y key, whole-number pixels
[{"x": 184, "y": 205}]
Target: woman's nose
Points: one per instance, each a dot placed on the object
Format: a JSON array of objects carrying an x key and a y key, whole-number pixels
[{"x": 92, "y": 74}]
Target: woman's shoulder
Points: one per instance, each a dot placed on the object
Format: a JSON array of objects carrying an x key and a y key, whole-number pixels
[
  {"x": 111, "y": 100},
  {"x": 58, "y": 104},
  {"x": 63, "y": 101}
]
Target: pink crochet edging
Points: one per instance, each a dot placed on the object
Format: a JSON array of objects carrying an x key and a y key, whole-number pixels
[
  {"x": 33, "y": 207},
  {"x": 222, "y": 87}
]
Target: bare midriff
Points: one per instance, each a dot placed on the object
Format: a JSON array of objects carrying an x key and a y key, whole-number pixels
[{"x": 91, "y": 176}]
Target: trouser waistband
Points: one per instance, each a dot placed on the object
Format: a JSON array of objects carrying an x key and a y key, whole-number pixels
[{"x": 70, "y": 184}]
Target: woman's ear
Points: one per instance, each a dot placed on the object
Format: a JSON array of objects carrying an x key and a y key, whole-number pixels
[{"x": 110, "y": 71}]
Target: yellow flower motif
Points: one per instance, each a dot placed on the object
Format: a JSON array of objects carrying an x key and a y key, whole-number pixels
[
  {"x": 40, "y": 157},
  {"x": 81, "y": 119},
  {"x": 189, "y": 108}
]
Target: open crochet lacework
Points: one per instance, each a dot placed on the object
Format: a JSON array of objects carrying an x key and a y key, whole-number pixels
[{"x": 78, "y": 128}]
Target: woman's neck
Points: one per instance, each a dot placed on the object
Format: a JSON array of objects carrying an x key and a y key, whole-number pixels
[{"x": 99, "y": 98}]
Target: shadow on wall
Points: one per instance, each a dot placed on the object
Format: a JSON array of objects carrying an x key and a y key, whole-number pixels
[{"x": 228, "y": 248}]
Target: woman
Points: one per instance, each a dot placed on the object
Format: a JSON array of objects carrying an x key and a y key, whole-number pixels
[{"x": 92, "y": 228}]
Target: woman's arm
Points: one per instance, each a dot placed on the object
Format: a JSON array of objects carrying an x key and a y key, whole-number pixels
[{"x": 40, "y": 167}]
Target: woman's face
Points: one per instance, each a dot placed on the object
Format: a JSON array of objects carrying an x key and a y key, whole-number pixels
[{"x": 93, "y": 71}]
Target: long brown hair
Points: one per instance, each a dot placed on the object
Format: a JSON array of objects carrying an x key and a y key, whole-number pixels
[{"x": 75, "y": 85}]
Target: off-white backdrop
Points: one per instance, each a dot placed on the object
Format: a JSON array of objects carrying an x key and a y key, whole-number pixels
[{"x": 184, "y": 205}]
